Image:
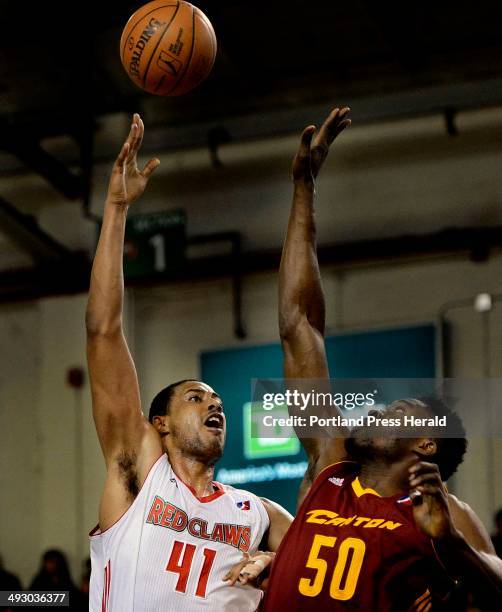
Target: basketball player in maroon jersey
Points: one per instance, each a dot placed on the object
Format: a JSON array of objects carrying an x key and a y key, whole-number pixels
[{"x": 377, "y": 529}]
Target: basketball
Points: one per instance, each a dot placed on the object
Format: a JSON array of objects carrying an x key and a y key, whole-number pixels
[{"x": 168, "y": 47}]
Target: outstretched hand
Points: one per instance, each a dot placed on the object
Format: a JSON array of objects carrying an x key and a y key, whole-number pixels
[
  {"x": 314, "y": 150},
  {"x": 127, "y": 181}
]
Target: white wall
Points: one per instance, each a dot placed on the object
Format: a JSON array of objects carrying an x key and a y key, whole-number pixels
[
  {"x": 382, "y": 180},
  {"x": 21, "y": 477}
]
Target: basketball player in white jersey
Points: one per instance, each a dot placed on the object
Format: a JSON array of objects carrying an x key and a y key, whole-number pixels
[{"x": 168, "y": 536}]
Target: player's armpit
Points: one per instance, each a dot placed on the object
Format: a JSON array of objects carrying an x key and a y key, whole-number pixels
[
  {"x": 327, "y": 453},
  {"x": 129, "y": 443}
]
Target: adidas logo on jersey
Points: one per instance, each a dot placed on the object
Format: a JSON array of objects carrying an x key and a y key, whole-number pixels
[
  {"x": 336, "y": 481},
  {"x": 244, "y": 505}
]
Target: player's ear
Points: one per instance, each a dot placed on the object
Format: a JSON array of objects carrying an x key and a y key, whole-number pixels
[
  {"x": 426, "y": 446},
  {"x": 161, "y": 424}
]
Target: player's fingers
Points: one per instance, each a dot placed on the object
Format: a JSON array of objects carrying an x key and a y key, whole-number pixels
[
  {"x": 322, "y": 136},
  {"x": 336, "y": 127},
  {"x": 250, "y": 572},
  {"x": 423, "y": 478},
  {"x": 302, "y": 161},
  {"x": 428, "y": 489},
  {"x": 330, "y": 129},
  {"x": 306, "y": 139},
  {"x": 141, "y": 132},
  {"x": 332, "y": 117},
  {"x": 254, "y": 567},
  {"x": 423, "y": 466},
  {"x": 121, "y": 157},
  {"x": 150, "y": 167},
  {"x": 233, "y": 575},
  {"x": 134, "y": 136},
  {"x": 333, "y": 125},
  {"x": 257, "y": 563},
  {"x": 342, "y": 125}
]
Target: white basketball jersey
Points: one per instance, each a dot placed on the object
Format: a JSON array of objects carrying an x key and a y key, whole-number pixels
[{"x": 171, "y": 549}]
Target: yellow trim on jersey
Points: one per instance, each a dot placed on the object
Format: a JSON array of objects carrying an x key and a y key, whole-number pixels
[{"x": 359, "y": 490}]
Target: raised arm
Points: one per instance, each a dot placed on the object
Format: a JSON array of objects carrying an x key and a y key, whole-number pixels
[
  {"x": 129, "y": 443},
  {"x": 301, "y": 298}
]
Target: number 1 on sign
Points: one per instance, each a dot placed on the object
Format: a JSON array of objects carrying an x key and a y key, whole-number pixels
[
  {"x": 180, "y": 562},
  {"x": 159, "y": 248}
]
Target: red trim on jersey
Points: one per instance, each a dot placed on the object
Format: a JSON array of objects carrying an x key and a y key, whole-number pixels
[
  {"x": 207, "y": 498},
  {"x": 109, "y": 582},
  {"x": 97, "y": 530},
  {"x": 106, "y": 586},
  {"x": 94, "y": 531}
]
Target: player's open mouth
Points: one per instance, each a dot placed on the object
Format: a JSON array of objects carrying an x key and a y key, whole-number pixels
[{"x": 214, "y": 422}]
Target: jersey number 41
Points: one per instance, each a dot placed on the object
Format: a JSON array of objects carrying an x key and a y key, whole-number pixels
[{"x": 180, "y": 562}]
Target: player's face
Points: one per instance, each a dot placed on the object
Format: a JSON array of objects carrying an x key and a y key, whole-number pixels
[
  {"x": 374, "y": 441},
  {"x": 197, "y": 424}
]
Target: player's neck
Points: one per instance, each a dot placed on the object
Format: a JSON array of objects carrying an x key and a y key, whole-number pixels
[
  {"x": 385, "y": 478},
  {"x": 193, "y": 472}
]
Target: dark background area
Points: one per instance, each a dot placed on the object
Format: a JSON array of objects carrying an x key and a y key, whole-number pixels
[{"x": 60, "y": 69}]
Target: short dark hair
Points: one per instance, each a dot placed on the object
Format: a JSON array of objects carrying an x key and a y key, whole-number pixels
[
  {"x": 450, "y": 450},
  {"x": 160, "y": 403}
]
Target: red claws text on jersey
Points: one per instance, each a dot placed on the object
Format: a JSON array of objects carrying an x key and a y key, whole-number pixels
[{"x": 166, "y": 514}]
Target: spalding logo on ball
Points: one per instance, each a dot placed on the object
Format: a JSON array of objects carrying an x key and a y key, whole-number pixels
[{"x": 168, "y": 47}]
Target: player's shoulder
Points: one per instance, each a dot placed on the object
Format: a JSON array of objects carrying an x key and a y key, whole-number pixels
[
  {"x": 238, "y": 494},
  {"x": 459, "y": 508},
  {"x": 461, "y": 511},
  {"x": 244, "y": 500},
  {"x": 453, "y": 500},
  {"x": 275, "y": 511}
]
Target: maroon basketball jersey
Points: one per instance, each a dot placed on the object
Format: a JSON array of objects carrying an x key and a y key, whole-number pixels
[{"x": 350, "y": 549}]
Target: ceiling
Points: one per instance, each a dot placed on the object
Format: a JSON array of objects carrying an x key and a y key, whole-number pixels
[
  {"x": 60, "y": 68},
  {"x": 61, "y": 76}
]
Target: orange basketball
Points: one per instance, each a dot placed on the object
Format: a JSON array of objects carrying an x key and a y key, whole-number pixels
[{"x": 168, "y": 47}]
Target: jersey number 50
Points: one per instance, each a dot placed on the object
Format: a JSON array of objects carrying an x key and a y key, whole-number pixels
[{"x": 312, "y": 588}]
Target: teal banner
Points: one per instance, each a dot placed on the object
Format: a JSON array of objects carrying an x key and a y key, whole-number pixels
[{"x": 274, "y": 467}]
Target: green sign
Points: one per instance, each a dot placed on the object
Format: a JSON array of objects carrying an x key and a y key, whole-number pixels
[
  {"x": 255, "y": 447},
  {"x": 154, "y": 243}
]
